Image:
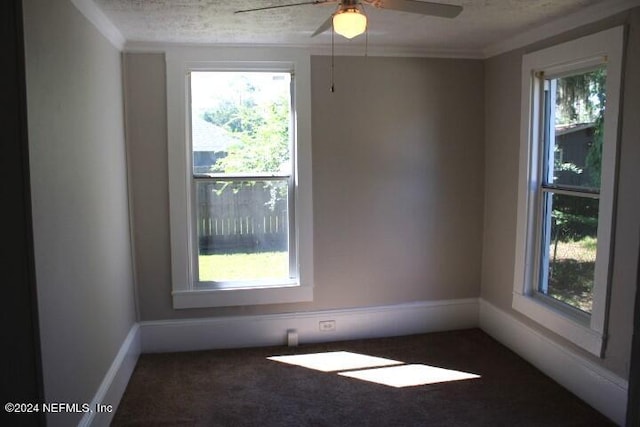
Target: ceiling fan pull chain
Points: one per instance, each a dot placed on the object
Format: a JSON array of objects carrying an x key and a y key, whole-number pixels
[
  {"x": 366, "y": 44},
  {"x": 366, "y": 35},
  {"x": 333, "y": 89}
]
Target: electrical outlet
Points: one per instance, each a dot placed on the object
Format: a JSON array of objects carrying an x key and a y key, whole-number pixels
[{"x": 327, "y": 325}]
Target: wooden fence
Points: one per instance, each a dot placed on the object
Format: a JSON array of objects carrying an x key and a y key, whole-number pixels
[{"x": 242, "y": 216}]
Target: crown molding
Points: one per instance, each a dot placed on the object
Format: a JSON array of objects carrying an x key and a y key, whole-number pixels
[
  {"x": 99, "y": 20},
  {"x": 339, "y": 50},
  {"x": 395, "y": 51},
  {"x": 585, "y": 16}
]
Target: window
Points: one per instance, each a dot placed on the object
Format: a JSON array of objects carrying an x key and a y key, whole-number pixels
[
  {"x": 244, "y": 186},
  {"x": 572, "y": 117},
  {"x": 239, "y": 172},
  {"x": 569, "y": 133}
]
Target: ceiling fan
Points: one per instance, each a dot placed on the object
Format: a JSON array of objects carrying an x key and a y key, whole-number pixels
[{"x": 349, "y": 19}]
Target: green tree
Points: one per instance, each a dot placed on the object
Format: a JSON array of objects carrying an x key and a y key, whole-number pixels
[
  {"x": 263, "y": 146},
  {"x": 261, "y": 125},
  {"x": 581, "y": 98}
]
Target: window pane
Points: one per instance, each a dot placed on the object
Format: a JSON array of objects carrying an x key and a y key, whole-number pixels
[
  {"x": 569, "y": 250},
  {"x": 577, "y": 117},
  {"x": 243, "y": 230},
  {"x": 240, "y": 122}
]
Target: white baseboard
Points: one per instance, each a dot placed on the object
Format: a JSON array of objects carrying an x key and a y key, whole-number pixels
[
  {"x": 597, "y": 386},
  {"x": 267, "y": 330},
  {"x": 115, "y": 381}
]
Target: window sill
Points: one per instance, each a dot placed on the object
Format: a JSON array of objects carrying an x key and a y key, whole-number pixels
[
  {"x": 221, "y": 297},
  {"x": 245, "y": 284},
  {"x": 573, "y": 329}
]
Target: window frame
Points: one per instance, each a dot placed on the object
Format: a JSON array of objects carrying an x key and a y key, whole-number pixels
[
  {"x": 186, "y": 291},
  {"x": 584, "y": 330}
]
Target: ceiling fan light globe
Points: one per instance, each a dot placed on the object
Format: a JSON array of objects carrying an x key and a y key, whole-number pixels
[{"x": 349, "y": 23}]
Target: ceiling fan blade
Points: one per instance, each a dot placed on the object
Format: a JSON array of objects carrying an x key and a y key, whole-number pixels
[
  {"x": 285, "y": 5},
  {"x": 324, "y": 27},
  {"x": 421, "y": 7}
]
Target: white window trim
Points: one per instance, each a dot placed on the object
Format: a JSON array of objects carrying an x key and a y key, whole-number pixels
[
  {"x": 588, "y": 332},
  {"x": 179, "y": 62}
]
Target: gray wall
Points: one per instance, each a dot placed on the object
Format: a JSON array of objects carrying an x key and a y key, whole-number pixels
[
  {"x": 79, "y": 191},
  {"x": 397, "y": 183},
  {"x": 502, "y": 115}
]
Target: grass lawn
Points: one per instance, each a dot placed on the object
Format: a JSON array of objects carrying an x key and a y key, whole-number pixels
[
  {"x": 570, "y": 281},
  {"x": 240, "y": 266}
]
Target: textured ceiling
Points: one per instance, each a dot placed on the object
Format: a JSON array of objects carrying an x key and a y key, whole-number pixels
[{"x": 481, "y": 23}]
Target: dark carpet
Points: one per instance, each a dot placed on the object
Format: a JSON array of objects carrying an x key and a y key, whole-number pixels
[{"x": 243, "y": 388}]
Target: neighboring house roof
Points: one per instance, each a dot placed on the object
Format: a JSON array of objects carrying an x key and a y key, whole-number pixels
[
  {"x": 208, "y": 137},
  {"x": 565, "y": 129}
]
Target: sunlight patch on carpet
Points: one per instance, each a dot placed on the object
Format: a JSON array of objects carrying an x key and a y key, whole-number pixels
[
  {"x": 335, "y": 361},
  {"x": 409, "y": 375},
  {"x": 378, "y": 370}
]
